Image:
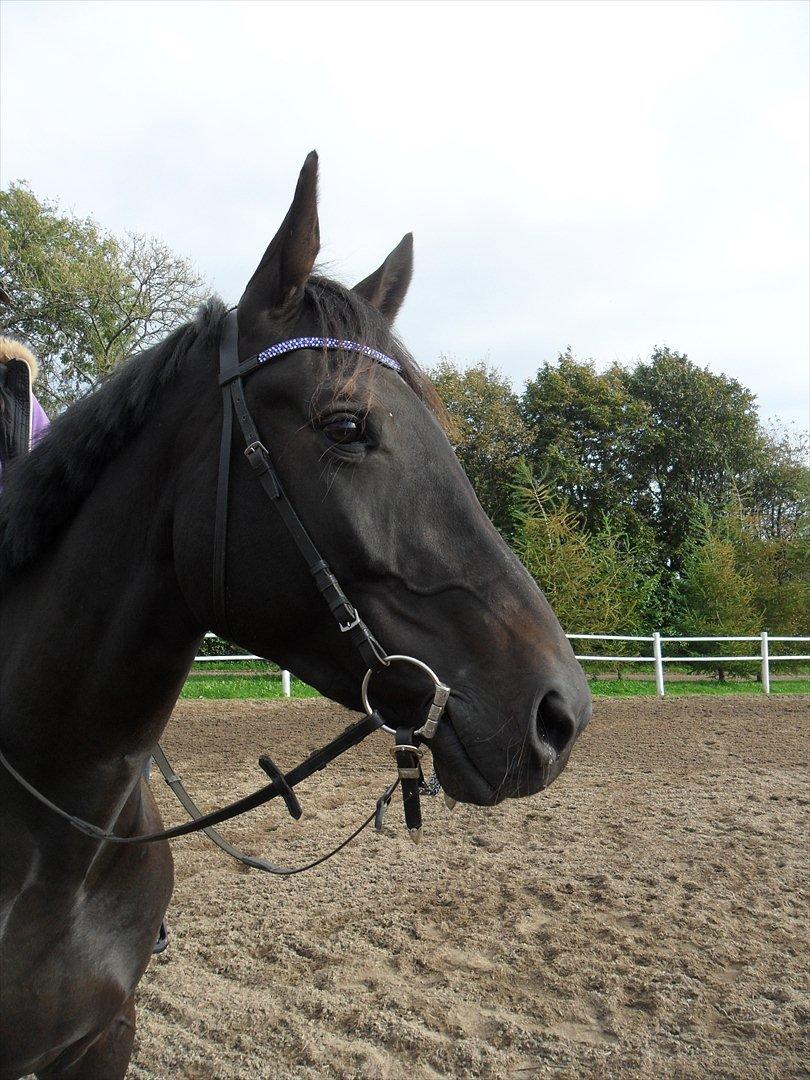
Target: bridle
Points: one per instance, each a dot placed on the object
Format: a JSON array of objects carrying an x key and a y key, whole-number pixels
[{"x": 407, "y": 737}]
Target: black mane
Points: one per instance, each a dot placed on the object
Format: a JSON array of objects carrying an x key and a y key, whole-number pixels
[{"x": 43, "y": 491}]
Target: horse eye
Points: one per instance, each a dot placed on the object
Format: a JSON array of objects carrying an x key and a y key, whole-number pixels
[{"x": 343, "y": 429}]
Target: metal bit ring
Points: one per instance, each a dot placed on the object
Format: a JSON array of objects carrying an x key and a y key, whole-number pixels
[{"x": 440, "y": 695}]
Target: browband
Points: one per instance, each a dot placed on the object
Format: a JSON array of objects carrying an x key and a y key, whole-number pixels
[{"x": 295, "y": 344}]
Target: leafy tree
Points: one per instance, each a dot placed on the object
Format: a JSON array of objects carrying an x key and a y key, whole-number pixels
[
  {"x": 777, "y": 566},
  {"x": 82, "y": 298},
  {"x": 717, "y": 586},
  {"x": 782, "y": 584},
  {"x": 778, "y": 494},
  {"x": 700, "y": 444},
  {"x": 648, "y": 446},
  {"x": 585, "y": 427},
  {"x": 596, "y": 580},
  {"x": 489, "y": 434}
]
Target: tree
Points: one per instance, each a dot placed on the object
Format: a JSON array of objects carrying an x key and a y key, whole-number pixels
[
  {"x": 597, "y": 580},
  {"x": 645, "y": 446},
  {"x": 717, "y": 585},
  {"x": 584, "y": 428},
  {"x": 776, "y": 565},
  {"x": 489, "y": 434},
  {"x": 779, "y": 491},
  {"x": 82, "y": 298},
  {"x": 701, "y": 443},
  {"x": 773, "y": 536},
  {"x": 781, "y": 580}
]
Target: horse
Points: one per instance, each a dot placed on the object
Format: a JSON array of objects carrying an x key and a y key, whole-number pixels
[{"x": 107, "y": 551}]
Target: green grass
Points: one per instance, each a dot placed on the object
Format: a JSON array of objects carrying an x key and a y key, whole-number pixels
[
  {"x": 646, "y": 688},
  {"x": 235, "y": 665},
  {"x": 246, "y": 685}
]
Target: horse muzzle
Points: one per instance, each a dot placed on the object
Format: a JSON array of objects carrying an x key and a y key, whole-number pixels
[{"x": 485, "y": 764}]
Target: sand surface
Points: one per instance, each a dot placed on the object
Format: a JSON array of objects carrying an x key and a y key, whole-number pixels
[{"x": 645, "y": 917}]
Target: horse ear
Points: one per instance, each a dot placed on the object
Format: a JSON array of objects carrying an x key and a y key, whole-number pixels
[
  {"x": 385, "y": 289},
  {"x": 279, "y": 280}
]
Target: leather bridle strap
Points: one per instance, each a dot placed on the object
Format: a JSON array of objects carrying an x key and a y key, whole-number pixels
[
  {"x": 409, "y": 770},
  {"x": 255, "y": 863},
  {"x": 258, "y": 457},
  {"x": 221, "y": 517},
  {"x": 280, "y": 785}
]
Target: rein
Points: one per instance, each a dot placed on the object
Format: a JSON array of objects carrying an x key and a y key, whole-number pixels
[{"x": 405, "y": 750}]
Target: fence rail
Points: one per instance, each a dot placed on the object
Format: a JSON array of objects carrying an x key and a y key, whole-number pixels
[
  {"x": 763, "y": 657},
  {"x": 658, "y": 658}
]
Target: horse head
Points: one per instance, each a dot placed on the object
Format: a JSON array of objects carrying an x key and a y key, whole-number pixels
[{"x": 363, "y": 456}]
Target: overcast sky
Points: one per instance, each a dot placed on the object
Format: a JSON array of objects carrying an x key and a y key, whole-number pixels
[{"x": 609, "y": 176}]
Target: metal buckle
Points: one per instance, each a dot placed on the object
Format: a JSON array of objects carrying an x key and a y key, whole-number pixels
[
  {"x": 407, "y": 749},
  {"x": 351, "y": 625},
  {"x": 254, "y": 448},
  {"x": 407, "y": 772}
]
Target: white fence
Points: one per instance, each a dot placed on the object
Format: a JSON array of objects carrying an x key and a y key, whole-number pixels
[{"x": 763, "y": 656}]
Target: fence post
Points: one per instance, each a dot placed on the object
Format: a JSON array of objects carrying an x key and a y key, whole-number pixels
[
  {"x": 285, "y": 684},
  {"x": 763, "y": 652},
  {"x": 659, "y": 664}
]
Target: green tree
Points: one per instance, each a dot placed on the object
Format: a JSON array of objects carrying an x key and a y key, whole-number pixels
[
  {"x": 718, "y": 587},
  {"x": 596, "y": 581},
  {"x": 778, "y": 494},
  {"x": 647, "y": 445},
  {"x": 82, "y": 298},
  {"x": 775, "y": 555},
  {"x": 584, "y": 427},
  {"x": 781, "y": 573},
  {"x": 700, "y": 444},
  {"x": 489, "y": 434}
]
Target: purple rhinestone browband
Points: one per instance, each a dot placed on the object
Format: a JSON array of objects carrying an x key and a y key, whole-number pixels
[{"x": 294, "y": 344}]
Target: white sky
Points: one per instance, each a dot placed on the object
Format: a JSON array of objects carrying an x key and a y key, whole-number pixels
[{"x": 606, "y": 175}]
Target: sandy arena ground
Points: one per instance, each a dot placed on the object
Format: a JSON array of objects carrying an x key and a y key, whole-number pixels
[{"x": 646, "y": 917}]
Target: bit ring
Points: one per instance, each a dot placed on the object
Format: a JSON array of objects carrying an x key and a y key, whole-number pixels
[{"x": 438, "y": 685}]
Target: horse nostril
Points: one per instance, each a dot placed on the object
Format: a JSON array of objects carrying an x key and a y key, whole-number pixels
[{"x": 556, "y": 724}]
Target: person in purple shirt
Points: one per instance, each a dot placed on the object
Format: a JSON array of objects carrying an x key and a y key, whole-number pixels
[{"x": 22, "y": 418}]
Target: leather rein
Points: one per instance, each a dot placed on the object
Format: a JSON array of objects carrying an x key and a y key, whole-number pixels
[{"x": 406, "y": 748}]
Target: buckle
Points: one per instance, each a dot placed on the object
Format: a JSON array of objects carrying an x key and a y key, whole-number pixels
[
  {"x": 350, "y": 625},
  {"x": 407, "y": 772},
  {"x": 406, "y": 748},
  {"x": 254, "y": 448}
]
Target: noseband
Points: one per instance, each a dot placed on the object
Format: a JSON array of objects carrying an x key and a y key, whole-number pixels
[{"x": 406, "y": 749}]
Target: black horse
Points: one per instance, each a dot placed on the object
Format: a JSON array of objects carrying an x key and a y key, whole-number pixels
[{"x": 106, "y": 555}]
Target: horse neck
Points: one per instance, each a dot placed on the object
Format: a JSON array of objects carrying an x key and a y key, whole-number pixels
[{"x": 100, "y": 637}]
